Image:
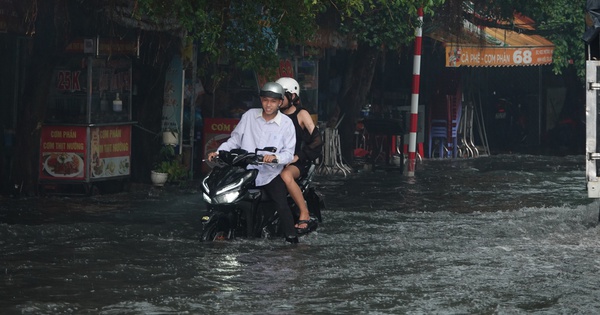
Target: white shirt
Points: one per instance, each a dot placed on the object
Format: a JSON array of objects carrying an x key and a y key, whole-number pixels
[{"x": 253, "y": 132}]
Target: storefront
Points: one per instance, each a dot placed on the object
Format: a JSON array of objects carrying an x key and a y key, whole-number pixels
[
  {"x": 86, "y": 135},
  {"x": 486, "y": 66}
]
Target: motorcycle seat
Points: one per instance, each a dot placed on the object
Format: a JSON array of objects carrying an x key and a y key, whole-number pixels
[{"x": 303, "y": 181}]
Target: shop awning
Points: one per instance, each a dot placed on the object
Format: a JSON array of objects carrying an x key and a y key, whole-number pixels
[{"x": 481, "y": 46}]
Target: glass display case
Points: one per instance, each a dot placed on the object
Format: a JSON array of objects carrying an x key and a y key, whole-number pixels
[
  {"x": 86, "y": 135},
  {"x": 90, "y": 91}
]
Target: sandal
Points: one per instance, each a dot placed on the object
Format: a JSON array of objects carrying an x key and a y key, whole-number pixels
[
  {"x": 305, "y": 230},
  {"x": 300, "y": 222}
]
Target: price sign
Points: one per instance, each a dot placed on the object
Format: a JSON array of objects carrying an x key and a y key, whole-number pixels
[{"x": 68, "y": 80}]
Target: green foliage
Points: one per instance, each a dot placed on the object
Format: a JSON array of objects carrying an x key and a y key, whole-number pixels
[
  {"x": 384, "y": 23},
  {"x": 168, "y": 162},
  {"x": 563, "y": 22},
  {"x": 244, "y": 32},
  {"x": 247, "y": 32}
]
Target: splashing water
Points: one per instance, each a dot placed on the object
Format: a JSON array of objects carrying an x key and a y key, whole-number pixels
[{"x": 502, "y": 234}]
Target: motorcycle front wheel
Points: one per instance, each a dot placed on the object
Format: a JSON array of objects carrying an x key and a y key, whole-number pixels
[{"x": 214, "y": 231}]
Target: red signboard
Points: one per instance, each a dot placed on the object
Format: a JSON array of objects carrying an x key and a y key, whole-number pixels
[
  {"x": 217, "y": 131},
  {"x": 63, "y": 152},
  {"x": 110, "y": 148}
]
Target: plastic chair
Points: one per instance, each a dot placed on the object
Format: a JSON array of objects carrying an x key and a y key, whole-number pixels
[
  {"x": 443, "y": 133},
  {"x": 452, "y": 144},
  {"x": 438, "y": 138},
  {"x": 454, "y": 110}
]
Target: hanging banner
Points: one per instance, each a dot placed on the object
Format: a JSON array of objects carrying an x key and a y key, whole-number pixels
[{"x": 172, "y": 114}]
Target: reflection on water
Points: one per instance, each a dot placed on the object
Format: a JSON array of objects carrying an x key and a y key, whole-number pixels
[{"x": 501, "y": 234}]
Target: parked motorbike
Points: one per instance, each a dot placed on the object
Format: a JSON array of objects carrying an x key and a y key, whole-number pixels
[
  {"x": 510, "y": 128},
  {"x": 237, "y": 208}
]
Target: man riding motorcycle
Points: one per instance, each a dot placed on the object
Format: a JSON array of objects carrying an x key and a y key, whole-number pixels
[{"x": 267, "y": 127}]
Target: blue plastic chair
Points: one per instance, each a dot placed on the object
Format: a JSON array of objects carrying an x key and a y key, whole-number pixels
[{"x": 438, "y": 138}]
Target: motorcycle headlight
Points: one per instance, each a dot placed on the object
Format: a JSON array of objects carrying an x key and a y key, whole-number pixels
[
  {"x": 228, "y": 197},
  {"x": 227, "y": 194},
  {"x": 235, "y": 185}
]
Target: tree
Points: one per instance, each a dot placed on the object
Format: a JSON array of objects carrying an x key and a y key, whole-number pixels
[
  {"x": 247, "y": 33},
  {"x": 562, "y": 22}
]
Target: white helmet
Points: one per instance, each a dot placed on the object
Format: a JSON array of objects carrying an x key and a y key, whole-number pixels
[{"x": 289, "y": 85}]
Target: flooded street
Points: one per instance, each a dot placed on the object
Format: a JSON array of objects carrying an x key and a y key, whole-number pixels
[{"x": 506, "y": 234}]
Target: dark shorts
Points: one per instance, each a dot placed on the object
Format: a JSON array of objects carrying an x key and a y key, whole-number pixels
[{"x": 303, "y": 166}]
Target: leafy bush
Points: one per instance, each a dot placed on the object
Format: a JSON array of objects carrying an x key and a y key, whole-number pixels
[{"x": 168, "y": 162}]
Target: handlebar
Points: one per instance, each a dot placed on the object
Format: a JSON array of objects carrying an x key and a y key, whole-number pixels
[
  {"x": 259, "y": 159},
  {"x": 225, "y": 158}
]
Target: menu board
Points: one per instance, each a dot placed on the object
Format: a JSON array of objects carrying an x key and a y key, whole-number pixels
[
  {"x": 110, "y": 149},
  {"x": 63, "y": 152}
]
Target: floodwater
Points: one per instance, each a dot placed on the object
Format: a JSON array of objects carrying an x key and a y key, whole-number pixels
[{"x": 506, "y": 234}]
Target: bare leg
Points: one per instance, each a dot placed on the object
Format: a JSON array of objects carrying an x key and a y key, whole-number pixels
[{"x": 289, "y": 174}]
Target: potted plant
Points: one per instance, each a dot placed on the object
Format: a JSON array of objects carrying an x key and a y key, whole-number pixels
[
  {"x": 158, "y": 177},
  {"x": 168, "y": 167}
]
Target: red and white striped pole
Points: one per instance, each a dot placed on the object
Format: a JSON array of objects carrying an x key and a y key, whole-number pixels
[{"x": 414, "y": 101}]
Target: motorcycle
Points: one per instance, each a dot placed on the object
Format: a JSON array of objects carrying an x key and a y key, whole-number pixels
[
  {"x": 510, "y": 124},
  {"x": 237, "y": 208}
]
